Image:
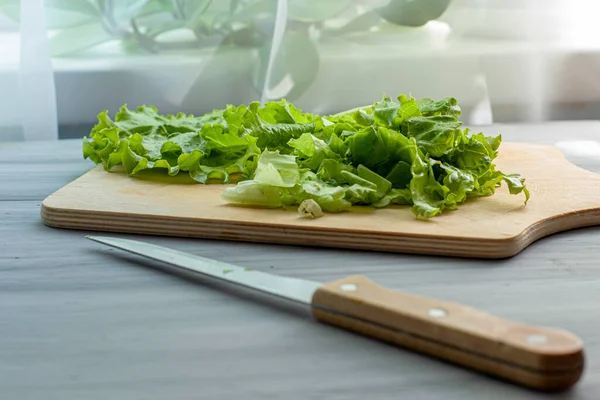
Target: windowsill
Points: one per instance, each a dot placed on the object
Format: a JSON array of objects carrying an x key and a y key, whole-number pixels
[{"x": 422, "y": 63}]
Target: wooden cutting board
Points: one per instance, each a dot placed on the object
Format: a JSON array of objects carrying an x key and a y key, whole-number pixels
[{"x": 563, "y": 196}]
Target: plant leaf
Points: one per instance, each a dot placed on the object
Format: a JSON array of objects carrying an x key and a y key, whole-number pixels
[
  {"x": 86, "y": 7},
  {"x": 124, "y": 10},
  {"x": 73, "y": 40},
  {"x": 316, "y": 10},
  {"x": 361, "y": 23},
  {"x": 60, "y": 14},
  {"x": 156, "y": 7},
  {"x": 11, "y": 9},
  {"x": 413, "y": 12}
]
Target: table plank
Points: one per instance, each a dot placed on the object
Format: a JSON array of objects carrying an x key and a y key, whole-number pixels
[
  {"x": 32, "y": 171},
  {"x": 78, "y": 320},
  {"x": 36, "y": 181},
  {"x": 85, "y": 321}
]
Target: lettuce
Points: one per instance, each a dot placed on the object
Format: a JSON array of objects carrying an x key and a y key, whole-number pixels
[
  {"x": 407, "y": 152},
  {"x": 279, "y": 182}
]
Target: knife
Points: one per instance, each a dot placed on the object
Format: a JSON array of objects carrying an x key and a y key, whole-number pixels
[{"x": 540, "y": 358}]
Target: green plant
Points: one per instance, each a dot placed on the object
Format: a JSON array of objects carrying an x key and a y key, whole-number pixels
[{"x": 140, "y": 26}]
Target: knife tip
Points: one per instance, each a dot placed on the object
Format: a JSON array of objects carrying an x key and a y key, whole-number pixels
[{"x": 94, "y": 238}]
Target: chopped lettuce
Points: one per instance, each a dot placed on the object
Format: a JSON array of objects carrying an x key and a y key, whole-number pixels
[
  {"x": 407, "y": 152},
  {"x": 310, "y": 209}
]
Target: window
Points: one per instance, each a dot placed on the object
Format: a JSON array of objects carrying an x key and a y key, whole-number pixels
[{"x": 505, "y": 60}]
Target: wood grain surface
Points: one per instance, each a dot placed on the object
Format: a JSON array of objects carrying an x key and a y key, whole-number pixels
[
  {"x": 563, "y": 196},
  {"x": 78, "y": 321}
]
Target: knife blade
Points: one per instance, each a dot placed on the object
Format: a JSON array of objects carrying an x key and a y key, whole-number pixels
[{"x": 536, "y": 357}]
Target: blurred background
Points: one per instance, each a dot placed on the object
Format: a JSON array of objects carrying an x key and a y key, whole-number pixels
[{"x": 507, "y": 61}]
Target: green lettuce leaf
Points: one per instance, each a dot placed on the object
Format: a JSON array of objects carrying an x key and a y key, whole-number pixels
[
  {"x": 516, "y": 185},
  {"x": 393, "y": 115},
  {"x": 241, "y": 168},
  {"x": 277, "y": 170},
  {"x": 279, "y": 182},
  {"x": 357, "y": 194},
  {"x": 407, "y": 152},
  {"x": 400, "y": 175},
  {"x": 336, "y": 173},
  {"x": 427, "y": 194},
  {"x": 329, "y": 198},
  {"x": 448, "y": 106},
  {"x": 312, "y": 151},
  {"x": 385, "y": 113},
  {"x": 276, "y": 124},
  {"x": 380, "y": 149},
  {"x": 409, "y": 108},
  {"x": 207, "y": 147},
  {"x": 395, "y": 196},
  {"x": 460, "y": 184},
  {"x": 253, "y": 193},
  {"x": 400, "y": 196},
  {"x": 435, "y": 135},
  {"x": 382, "y": 184}
]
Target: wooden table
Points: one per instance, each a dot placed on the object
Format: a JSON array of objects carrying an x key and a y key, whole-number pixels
[{"x": 82, "y": 321}]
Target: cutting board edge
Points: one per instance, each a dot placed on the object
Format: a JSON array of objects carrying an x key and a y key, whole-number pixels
[{"x": 487, "y": 248}]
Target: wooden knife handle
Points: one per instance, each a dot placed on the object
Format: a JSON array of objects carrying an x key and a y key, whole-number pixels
[{"x": 536, "y": 357}]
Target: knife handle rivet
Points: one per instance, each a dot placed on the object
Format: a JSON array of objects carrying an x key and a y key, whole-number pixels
[
  {"x": 536, "y": 339},
  {"x": 348, "y": 287},
  {"x": 437, "y": 313}
]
